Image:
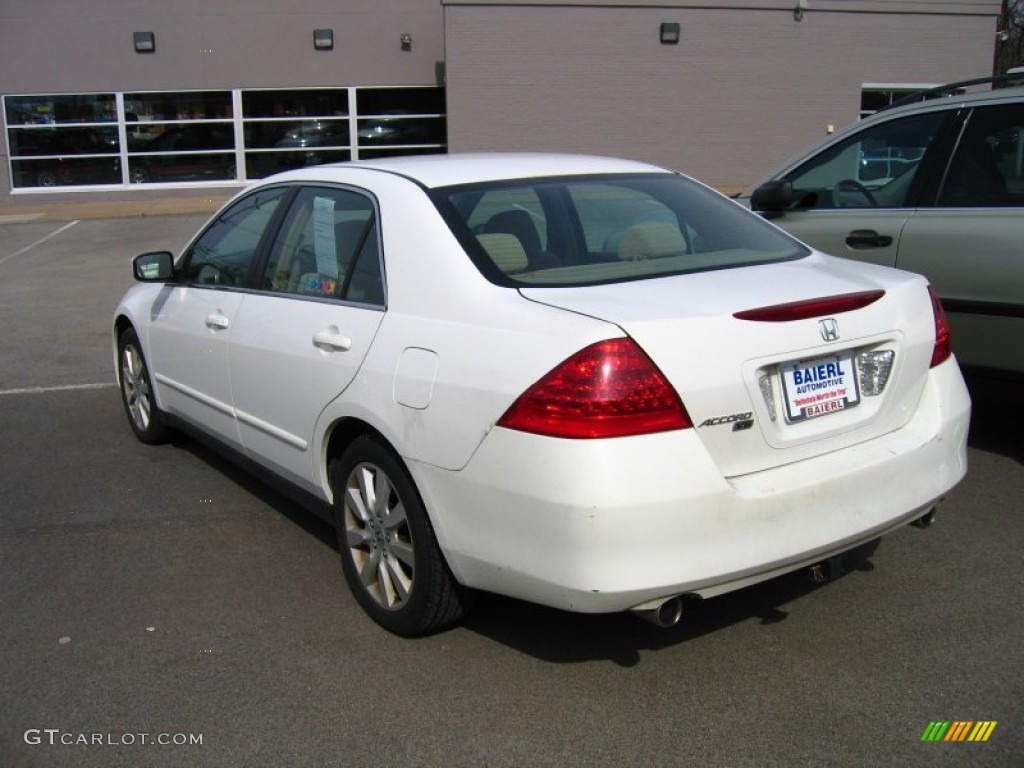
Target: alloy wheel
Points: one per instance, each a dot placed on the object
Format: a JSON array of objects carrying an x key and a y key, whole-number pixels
[{"x": 378, "y": 537}]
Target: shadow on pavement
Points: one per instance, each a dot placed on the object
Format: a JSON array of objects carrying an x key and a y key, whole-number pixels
[
  {"x": 995, "y": 414},
  {"x": 566, "y": 638}
]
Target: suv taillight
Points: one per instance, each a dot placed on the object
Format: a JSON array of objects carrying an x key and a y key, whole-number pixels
[
  {"x": 943, "y": 348},
  {"x": 609, "y": 389}
]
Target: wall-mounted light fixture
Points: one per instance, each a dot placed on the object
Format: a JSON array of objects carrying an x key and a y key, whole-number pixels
[
  {"x": 406, "y": 41},
  {"x": 145, "y": 42},
  {"x": 798, "y": 12},
  {"x": 670, "y": 33},
  {"x": 323, "y": 39}
]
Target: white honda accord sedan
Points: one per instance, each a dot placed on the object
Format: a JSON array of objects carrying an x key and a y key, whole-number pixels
[{"x": 594, "y": 384}]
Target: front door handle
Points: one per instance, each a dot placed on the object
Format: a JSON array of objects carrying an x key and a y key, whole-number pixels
[
  {"x": 331, "y": 340},
  {"x": 217, "y": 322},
  {"x": 860, "y": 239}
]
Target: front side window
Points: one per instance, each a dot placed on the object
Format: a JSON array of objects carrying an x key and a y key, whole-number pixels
[
  {"x": 589, "y": 230},
  {"x": 874, "y": 168},
  {"x": 224, "y": 253},
  {"x": 327, "y": 248},
  {"x": 987, "y": 169}
]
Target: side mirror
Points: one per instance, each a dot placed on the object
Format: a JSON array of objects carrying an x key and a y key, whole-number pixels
[
  {"x": 773, "y": 196},
  {"x": 155, "y": 267}
]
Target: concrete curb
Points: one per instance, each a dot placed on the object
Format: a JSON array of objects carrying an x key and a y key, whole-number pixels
[{"x": 44, "y": 210}]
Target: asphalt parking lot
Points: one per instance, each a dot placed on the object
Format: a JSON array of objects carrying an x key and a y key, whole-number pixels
[{"x": 160, "y": 595}]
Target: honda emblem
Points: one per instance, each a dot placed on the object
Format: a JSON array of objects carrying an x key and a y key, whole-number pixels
[{"x": 829, "y": 329}]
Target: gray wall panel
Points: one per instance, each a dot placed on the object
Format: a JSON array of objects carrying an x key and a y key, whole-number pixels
[
  {"x": 54, "y": 46},
  {"x": 742, "y": 91}
]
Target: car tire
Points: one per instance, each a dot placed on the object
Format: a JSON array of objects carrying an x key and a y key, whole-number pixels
[
  {"x": 144, "y": 415},
  {"x": 389, "y": 554},
  {"x": 47, "y": 178}
]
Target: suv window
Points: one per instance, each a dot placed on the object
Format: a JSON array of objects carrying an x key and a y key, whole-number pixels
[
  {"x": 328, "y": 247},
  {"x": 224, "y": 253},
  {"x": 872, "y": 169},
  {"x": 987, "y": 169}
]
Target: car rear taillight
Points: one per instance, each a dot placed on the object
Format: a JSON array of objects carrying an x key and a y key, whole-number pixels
[
  {"x": 609, "y": 389},
  {"x": 943, "y": 346}
]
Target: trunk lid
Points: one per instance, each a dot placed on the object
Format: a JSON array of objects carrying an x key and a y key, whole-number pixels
[{"x": 762, "y": 394}]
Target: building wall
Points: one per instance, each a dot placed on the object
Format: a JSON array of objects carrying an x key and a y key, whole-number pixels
[
  {"x": 68, "y": 46},
  {"x": 744, "y": 88}
]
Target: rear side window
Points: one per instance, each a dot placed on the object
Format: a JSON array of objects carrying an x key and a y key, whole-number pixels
[
  {"x": 327, "y": 247},
  {"x": 987, "y": 169},
  {"x": 587, "y": 230}
]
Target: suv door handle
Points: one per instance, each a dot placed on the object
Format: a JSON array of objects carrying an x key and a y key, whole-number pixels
[
  {"x": 217, "y": 322},
  {"x": 331, "y": 340},
  {"x": 860, "y": 239}
]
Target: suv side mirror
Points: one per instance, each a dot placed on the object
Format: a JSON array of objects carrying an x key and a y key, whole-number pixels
[
  {"x": 155, "y": 267},
  {"x": 773, "y": 196}
]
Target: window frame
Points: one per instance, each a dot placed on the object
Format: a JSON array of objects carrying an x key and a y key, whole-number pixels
[
  {"x": 553, "y": 191},
  {"x": 182, "y": 265},
  {"x": 923, "y": 189},
  {"x": 258, "y": 274},
  {"x": 967, "y": 118}
]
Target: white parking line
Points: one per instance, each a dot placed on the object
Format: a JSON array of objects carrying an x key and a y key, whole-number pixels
[
  {"x": 63, "y": 388},
  {"x": 40, "y": 241}
]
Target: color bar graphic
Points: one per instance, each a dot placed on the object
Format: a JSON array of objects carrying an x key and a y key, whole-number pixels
[{"x": 958, "y": 730}]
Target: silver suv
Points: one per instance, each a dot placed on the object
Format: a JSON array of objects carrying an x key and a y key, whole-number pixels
[{"x": 936, "y": 187}]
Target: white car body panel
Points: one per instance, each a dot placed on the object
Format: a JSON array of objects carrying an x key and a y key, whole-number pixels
[
  {"x": 285, "y": 371},
  {"x": 587, "y": 525},
  {"x": 611, "y": 525},
  {"x": 187, "y": 338},
  {"x": 674, "y": 318}
]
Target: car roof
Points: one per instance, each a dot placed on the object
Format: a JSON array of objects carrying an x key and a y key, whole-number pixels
[
  {"x": 473, "y": 167},
  {"x": 1015, "y": 93}
]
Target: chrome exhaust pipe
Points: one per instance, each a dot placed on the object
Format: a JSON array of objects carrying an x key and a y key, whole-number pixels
[
  {"x": 665, "y": 614},
  {"x": 925, "y": 520}
]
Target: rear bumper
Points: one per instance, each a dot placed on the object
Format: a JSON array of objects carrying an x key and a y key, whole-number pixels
[{"x": 608, "y": 525}]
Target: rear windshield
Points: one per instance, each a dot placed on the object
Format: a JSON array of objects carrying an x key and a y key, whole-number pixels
[{"x": 585, "y": 230}]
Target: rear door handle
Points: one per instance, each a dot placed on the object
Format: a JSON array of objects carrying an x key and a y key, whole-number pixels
[
  {"x": 860, "y": 239},
  {"x": 331, "y": 341},
  {"x": 217, "y": 322}
]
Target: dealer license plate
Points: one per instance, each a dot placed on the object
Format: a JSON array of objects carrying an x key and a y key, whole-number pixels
[{"x": 819, "y": 386}]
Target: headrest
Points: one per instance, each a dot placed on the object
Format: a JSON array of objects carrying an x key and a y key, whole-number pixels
[
  {"x": 651, "y": 240},
  {"x": 505, "y": 250}
]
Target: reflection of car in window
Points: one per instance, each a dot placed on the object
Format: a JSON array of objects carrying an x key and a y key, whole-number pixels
[
  {"x": 314, "y": 133},
  {"x": 186, "y": 142},
  {"x": 400, "y": 129},
  {"x": 882, "y": 166},
  {"x": 64, "y": 156}
]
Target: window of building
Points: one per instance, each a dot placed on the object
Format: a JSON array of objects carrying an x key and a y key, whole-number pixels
[
  {"x": 63, "y": 139},
  {"x": 183, "y": 136},
  {"x": 212, "y": 136}
]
